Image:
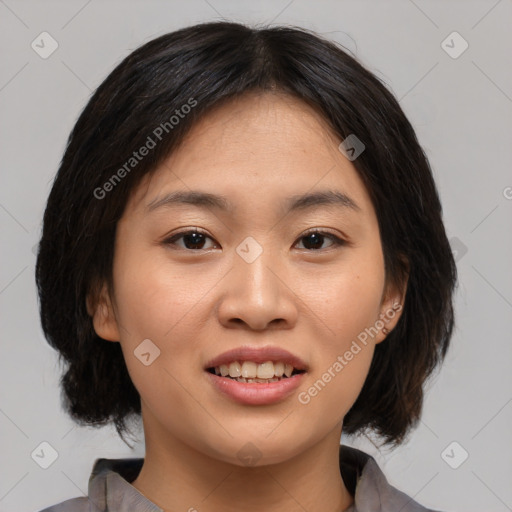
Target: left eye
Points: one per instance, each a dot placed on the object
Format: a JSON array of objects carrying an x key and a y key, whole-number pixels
[
  {"x": 195, "y": 240},
  {"x": 314, "y": 238}
]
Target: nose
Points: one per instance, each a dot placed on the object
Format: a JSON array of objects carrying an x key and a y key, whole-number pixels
[{"x": 257, "y": 295}]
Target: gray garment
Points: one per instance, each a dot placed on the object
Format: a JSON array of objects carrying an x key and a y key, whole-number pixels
[{"x": 110, "y": 489}]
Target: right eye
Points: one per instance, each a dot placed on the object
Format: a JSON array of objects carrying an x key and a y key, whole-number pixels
[{"x": 193, "y": 239}]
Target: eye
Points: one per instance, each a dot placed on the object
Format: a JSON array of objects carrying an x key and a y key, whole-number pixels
[
  {"x": 193, "y": 239},
  {"x": 315, "y": 239}
]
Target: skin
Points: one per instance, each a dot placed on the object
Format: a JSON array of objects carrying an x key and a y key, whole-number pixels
[{"x": 195, "y": 303}]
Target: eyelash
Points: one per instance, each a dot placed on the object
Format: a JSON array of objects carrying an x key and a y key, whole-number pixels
[{"x": 337, "y": 241}]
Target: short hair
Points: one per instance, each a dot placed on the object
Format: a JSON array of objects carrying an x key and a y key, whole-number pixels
[{"x": 202, "y": 66}]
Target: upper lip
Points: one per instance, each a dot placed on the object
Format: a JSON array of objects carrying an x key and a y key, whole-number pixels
[{"x": 258, "y": 355}]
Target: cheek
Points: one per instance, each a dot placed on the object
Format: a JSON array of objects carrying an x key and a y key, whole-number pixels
[
  {"x": 165, "y": 305},
  {"x": 348, "y": 304},
  {"x": 334, "y": 388},
  {"x": 348, "y": 299},
  {"x": 157, "y": 304},
  {"x": 149, "y": 303},
  {"x": 344, "y": 355},
  {"x": 156, "y": 299}
]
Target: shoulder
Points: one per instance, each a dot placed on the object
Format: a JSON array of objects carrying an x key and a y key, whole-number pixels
[
  {"x": 370, "y": 488},
  {"x": 108, "y": 488},
  {"x": 374, "y": 486},
  {"x": 72, "y": 505}
]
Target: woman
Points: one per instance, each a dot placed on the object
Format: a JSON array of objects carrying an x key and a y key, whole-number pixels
[{"x": 244, "y": 245}]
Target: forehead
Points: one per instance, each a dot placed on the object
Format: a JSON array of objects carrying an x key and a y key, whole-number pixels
[{"x": 258, "y": 150}]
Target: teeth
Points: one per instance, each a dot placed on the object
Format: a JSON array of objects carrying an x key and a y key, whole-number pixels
[
  {"x": 235, "y": 370},
  {"x": 265, "y": 370},
  {"x": 250, "y": 371},
  {"x": 279, "y": 369}
]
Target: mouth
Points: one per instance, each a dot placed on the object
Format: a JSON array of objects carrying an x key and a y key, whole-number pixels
[
  {"x": 255, "y": 390},
  {"x": 256, "y": 375}
]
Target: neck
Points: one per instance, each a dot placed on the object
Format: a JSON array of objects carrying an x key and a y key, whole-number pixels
[{"x": 176, "y": 476}]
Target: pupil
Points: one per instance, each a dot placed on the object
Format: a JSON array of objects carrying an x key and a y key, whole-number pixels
[
  {"x": 316, "y": 237},
  {"x": 192, "y": 239}
]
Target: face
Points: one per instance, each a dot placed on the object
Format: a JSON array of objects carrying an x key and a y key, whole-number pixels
[{"x": 198, "y": 280}]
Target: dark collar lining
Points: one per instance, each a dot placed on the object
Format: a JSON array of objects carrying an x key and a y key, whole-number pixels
[
  {"x": 352, "y": 462},
  {"x": 129, "y": 469}
]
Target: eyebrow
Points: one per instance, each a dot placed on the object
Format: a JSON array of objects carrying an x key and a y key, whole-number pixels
[{"x": 299, "y": 202}]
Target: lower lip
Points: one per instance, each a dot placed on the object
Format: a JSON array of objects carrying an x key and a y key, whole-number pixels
[{"x": 255, "y": 393}]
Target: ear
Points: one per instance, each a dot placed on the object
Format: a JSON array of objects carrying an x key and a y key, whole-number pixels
[
  {"x": 102, "y": 312},
  {"x": 391, "y": 309}
]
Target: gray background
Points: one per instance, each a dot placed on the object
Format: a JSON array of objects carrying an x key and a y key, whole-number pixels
[{"x": 461, "y": 108}]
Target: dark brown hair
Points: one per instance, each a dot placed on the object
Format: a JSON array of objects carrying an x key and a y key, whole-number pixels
[{"x": 201, "y": 66}]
